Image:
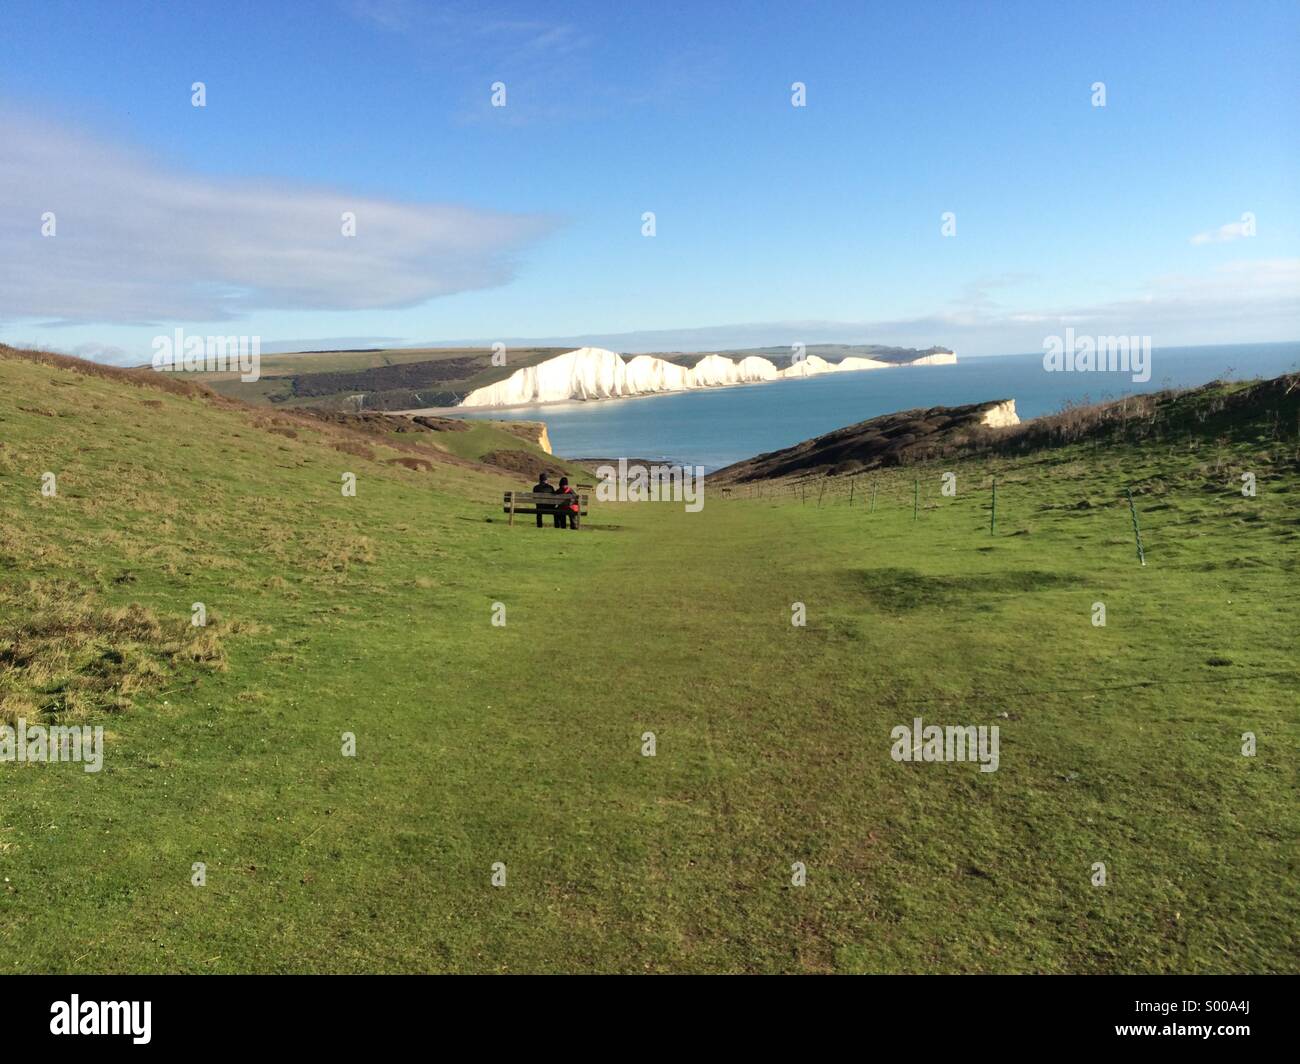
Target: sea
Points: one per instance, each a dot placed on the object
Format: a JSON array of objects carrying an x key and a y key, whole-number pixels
[{"x": 715, "y": 427}]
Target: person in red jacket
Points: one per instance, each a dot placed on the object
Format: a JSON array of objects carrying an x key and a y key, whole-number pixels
[{"x": 566, "y": 507}]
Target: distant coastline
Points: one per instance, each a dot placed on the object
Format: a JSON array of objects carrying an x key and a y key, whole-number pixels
[
  {"x": 715, "y": 427},
  {"x": 596, "y": 373},
  {"x": 612, "y": 400}
]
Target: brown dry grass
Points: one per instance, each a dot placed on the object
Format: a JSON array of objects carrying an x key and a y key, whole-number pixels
[
  {"x": 71, "y": 655},
  {"x": 141, "y": 378}
]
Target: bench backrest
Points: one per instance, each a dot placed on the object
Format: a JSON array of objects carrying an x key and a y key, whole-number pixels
[
  {"x": 523, "y": 501},
  {"x": 527, "y": 497}
]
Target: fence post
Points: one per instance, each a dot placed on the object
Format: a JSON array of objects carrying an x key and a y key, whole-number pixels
[
  {"x": 916, "y": 497},
  {"x": 873, "y": 498},
  {"x": 821, "y": 492},
  {"x": 1137, "y": 532},
  {"x": 993, "y": 510},
  {"x": 852, "y": 482},
  {"x": 512, "y": 509}
]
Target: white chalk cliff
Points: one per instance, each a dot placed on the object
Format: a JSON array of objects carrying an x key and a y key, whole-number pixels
[
  {"x": 595, "y": 373},
  {"x": 1000, "y": 415}
]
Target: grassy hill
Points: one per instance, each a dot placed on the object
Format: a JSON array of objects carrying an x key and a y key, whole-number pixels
[
  {"x": 1215, "y": 412},
  {"x": 399, "y": 379},
  {"x": 521, "y": 743},
  {"x": 906, "y": 437}
]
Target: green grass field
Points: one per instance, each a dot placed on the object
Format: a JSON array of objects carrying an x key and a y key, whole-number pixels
[{"x": 521, "y": 744}]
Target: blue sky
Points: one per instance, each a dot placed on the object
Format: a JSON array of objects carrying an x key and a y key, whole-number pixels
[{"x": 775, "y": 224}]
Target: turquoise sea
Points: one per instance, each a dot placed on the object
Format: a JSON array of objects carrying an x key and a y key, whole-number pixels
[{"x": 717, "y": 427}]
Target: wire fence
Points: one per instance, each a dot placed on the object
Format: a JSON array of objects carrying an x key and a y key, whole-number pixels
[
  {"x": 997, "y": 500},
  {"x": 1005, "y": 492}
]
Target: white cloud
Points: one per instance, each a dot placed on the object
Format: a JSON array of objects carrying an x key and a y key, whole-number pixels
[
  {"x": 140, "y": 242},
  {"x": 1226, "y": 233},
  {"x": 1239, "y": 302},
  {"x": 461, "y": 32},
  {"x": 331, "y": 343},
  {"x": 109, "y": 354}
]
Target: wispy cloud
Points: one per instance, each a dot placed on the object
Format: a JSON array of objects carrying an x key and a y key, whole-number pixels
[
  {"x": 138, "y": 242},
  {"x": 1229, "y": 232},
  {"x": 1240, "y": 302},
  {"x": 553, "y": 69},
  {"x": 109, "y": 354},
  {"x": 396, "y": 16},
  {"x": 458, "y": 30},
  {"x": 331, "y": 343}
]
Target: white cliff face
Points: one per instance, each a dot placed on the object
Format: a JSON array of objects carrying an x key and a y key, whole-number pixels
[
  {"x": 752, "y": 368},
  {"x": 1001, "y": 415},
  {"x": 587, "y": 373},
  {"x": 713, "y": 371},
  {"x": 595, "y": 373},
  {"x": 718, "y": 371},
  {"x": 647, "y": 374},
  {"x": 943, "y": 358},
  {"x": 854, "y": 362},
  {"x": 808, "y": 366}
]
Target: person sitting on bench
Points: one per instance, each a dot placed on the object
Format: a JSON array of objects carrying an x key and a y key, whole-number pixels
[
  {"x": 545, "y": 488},
  {"x": 568, "y": 506}
]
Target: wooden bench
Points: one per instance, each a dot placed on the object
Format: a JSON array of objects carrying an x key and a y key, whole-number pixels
[{"x": 538, "y": 502}]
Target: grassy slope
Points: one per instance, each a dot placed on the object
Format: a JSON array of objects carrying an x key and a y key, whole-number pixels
[
  {"x": 483, "y": 437},
  {"x": 372, "y": 615},
  {"x": 275, "y": 384}
]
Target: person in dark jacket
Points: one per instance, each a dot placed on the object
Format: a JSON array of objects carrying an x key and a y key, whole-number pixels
[
  {"x": 543, "y": 487},
  {"x": 568, "y": 506}
]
